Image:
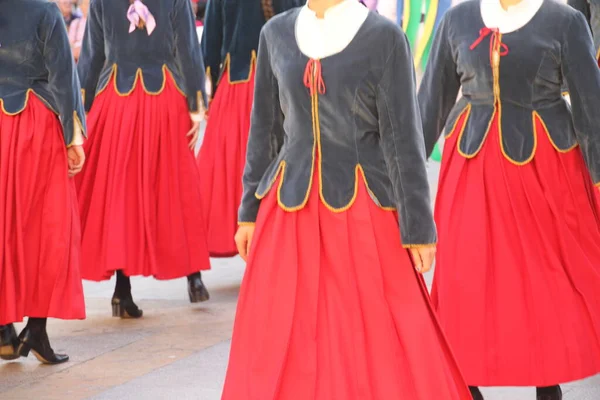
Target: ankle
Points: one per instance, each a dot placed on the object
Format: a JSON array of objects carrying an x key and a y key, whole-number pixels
[{"x": 549, "y": 393}]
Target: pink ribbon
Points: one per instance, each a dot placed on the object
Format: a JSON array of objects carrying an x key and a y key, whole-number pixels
[{"x": 139, "y": 12}]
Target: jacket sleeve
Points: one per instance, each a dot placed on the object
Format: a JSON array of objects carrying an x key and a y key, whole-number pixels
[
  {"x": 582, "y": 6},
  {"x": 212, "y": 41},
  {"x": 63, "y": 81},
  {"x": 266, "y": 132},
  {"x": 582, "y": 75},
  {"x": 439, "y": 88},
  {"x": 92, "y": 57},
  {"x": 188, "y": 55},
  {"x": 403, "y": 148}
]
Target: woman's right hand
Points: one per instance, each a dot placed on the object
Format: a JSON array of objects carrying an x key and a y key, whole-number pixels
[
  {"x": 75, "y": 159},
  {"x": 243, "y": 240}
]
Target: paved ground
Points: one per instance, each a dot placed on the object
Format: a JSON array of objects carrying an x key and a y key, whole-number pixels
[{"x": 177, "y": 351}]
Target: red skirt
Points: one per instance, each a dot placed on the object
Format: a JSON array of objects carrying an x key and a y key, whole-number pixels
[
  {"x": 517, "y": 283},
  {"x": 139, "y": 194},
  {"x": 331, "y": 307},
  {"x": 39, "y": 263},
  {"x": 221, "y": 163}
]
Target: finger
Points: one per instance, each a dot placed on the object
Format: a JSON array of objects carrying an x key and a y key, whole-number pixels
[
  {"x": 418, "y": 262},
  {"x": 241, "y": 248},
  {"x": 427, "y": 258}
]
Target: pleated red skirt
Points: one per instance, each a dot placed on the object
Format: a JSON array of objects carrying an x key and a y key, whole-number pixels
[
  {"x": 139, "y": 194},
  {"x": 332, "y": 308},
  {"x": 221, "y": 162},
  {"x": 40, "y": 235},
  {"x": 517, "y": 283}
]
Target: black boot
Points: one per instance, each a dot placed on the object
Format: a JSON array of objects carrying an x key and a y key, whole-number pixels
[
  {"x": 9, "y": 342},
  {"x": 196, "y": 288},
  {"x": 122, "y": 301},
  {"x": 35, "y": 338},
  {"x": 549, "y": 393},
  {"x": 475, "y": 393}
]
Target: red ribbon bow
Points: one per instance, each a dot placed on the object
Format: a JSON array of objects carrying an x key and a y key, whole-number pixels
[
  {"x": 494, "y": 41},
  {"x": 313, "y": 70}
]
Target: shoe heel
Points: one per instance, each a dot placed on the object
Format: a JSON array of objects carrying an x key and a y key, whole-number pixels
[
  {"x": 117, "y": 310},
  {"x": 24, "y": 349}
]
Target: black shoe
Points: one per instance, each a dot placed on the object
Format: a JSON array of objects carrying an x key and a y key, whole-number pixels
[
  {"x": 549, "y": 393},
  {"x": 475, "y": 393},
  {"x": 125, "y": 307},
  {"x": 9, "y": 342},
  {"x": 40, "y": 346},
  {"x": 196, "y": 289}
]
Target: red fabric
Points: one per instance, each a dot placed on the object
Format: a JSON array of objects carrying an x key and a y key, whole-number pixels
[
  {"x": 518, "y": 268},
  {"x": 332, "y": 308},
  {"x": 221, "y": 163},
  {"x": 40, "y": 236},
  {"x": 139, "y": 194}
]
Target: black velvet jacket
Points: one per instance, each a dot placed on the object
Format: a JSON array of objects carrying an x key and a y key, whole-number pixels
[
  {"x": 524, "y": 81},
  {"x": 354, "y": 113},
  {"x": 36, "y": 59},
  {"x": 231, "y": 32},
  {"x": 108, "y": 48}
]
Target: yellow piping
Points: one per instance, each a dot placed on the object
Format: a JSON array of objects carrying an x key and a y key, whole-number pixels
[
  {"x": 317, "y": 149},
  {"x": 466, "y": 110},
  {"x": 27, "y": 93},
  {"x": 535, "y": 115}
]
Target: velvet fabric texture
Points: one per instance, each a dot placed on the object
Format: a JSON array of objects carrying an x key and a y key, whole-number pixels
[
  {"x": 36, "y": 61},
  {"x": 361, "y": 109},
  {"x": 526, "y": 77},
  {"x": 109, "y": 51},
  {"x": 231, "y": 32}
]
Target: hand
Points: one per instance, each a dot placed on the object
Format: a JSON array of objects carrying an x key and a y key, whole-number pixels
[
  {"x": 423, "y": 258},
  {"x": 243, "y": 240},
  {"x": 75, "y": 160},
  {"x": 194, "y": 133}
]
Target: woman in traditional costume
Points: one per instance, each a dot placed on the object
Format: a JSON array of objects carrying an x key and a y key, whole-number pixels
[
  {"x": 229, "y": 43},
  {"x": 41, "y": 133},
  {"x": 143, "y": 85},
  {"x": 336, "y": 201},
  {"x": 518, "y": 270}
]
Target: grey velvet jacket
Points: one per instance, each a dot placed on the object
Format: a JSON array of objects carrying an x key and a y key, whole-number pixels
[
  {"x": 591, "y": 12},
  {"x": 108, "y": 48},
  {"x": 534, "y": 61},
  {"x": 358, "y": 112},
  {"x": 36, "y": 59}
]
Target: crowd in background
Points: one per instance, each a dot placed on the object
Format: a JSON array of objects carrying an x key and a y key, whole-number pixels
[{"x": 75, "y": 15}]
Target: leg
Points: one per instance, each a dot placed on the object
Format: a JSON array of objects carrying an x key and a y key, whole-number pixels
[
  {"x": 196, "y": 289},
  {"x": 35, "y": 338},
  {"x": 476, "y": 393},
  {"x": 549, "y": 393},
  {"x": 9, "y": 342},
  {"x": 122, "y": 301}
]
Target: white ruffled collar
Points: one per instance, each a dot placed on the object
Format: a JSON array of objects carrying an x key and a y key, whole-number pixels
[{"x": 516, "y": 17}]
